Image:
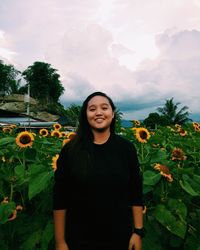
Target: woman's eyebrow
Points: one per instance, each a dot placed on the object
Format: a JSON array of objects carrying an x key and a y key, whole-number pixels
[{"x": 101, "y": 104}]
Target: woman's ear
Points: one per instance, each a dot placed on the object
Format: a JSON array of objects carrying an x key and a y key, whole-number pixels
[{"x": 113, "y": 115}]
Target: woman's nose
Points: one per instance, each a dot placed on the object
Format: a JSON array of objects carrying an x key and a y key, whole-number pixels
[{"x": 98, "y": 112}]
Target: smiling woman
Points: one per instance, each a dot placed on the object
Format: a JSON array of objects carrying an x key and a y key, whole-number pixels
[{"x": 98, "y": 185}]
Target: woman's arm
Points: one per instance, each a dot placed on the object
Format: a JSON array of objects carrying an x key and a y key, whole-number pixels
[
  {"x": 59, "y": 228},
  {"x": 137, "y": 212},
  {"x": 136, "y": 240}
]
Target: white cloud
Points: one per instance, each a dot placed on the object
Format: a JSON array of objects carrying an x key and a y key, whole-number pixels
[{"x": 139, "y": 52}]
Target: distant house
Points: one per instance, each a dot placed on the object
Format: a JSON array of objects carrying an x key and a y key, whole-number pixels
[
  {"x": 13, "y": 110},
  {"x": 63, "y": 120},
  {"x": 22, "y": 120}
]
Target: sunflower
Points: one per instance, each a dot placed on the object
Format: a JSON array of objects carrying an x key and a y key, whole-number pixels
[
  {"x": 13, "y": 126},
  {"x": 7, "y": 130},
  {"x": 182, "y": 132},
  {"x": 3, "y": 159},
  {"x": 54, "y": 162},
  {"x": 5, "y": 200},
  {"x": 144, "y": 210},
  {"x": 134, "y": 128},
  {"x": 14, "y": 212},
  {"x": 178, "y": 154},
  {"x": 57, "y": 126},
  {"x": 70, "y": 135},
  {"x": 195, "y": 124},
  {"x": 197, "y": 129},
  {"x": 24, "y": 139},
  {"x": 44, "y": 132},
  {"x": 164, "y": 171},
  {"x": 177, "y": 126},
  {"x": 142, "y": 135},
  {"x": 56, "y": 133},
  {"x": 136, "y": 122},
  {"x": 65, "y": 141},
  {"x": 13, "y": 215},
  {"x": 63, "y": 134},
  {"x": 19, "y": 208}
]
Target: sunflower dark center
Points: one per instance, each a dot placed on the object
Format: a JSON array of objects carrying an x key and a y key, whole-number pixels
[
  {"x": 143, "y": 135},
  {"x": 56, "y": 134},
  {"x": 25, "y": 139}
]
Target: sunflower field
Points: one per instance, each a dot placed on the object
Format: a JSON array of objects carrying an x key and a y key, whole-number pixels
[{"x": 170, "y": 163}]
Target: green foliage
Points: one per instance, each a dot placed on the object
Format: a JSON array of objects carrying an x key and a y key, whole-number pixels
[
  {"x": 41, "y": 76},
  {"x": 118, "y": 115},
  {"x": 154, "y": 120},
  {"x": 26, "y": 179},
  {"x": 72, "y": 113},
  {"x": 171, "y": 113},
  {"x": 8, "y": 79},
  {"x": 172, "y": 218}
]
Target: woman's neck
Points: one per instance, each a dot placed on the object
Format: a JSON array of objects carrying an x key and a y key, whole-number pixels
[{"x": 101, "y": 137}]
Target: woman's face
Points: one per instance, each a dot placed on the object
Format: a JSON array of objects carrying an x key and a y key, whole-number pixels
[{"x": 99, "y": 113}]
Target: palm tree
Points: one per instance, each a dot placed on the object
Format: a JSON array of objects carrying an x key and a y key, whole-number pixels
[
  {"x": 171, "y": 113},
  {"x": 119, "y": 116}
]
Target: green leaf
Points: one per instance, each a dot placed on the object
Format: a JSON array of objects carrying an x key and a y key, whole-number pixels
[
  {"x": 147, "y": 189},
  {"x": 151, "y": 178},
  {"x": 191, "y": 186},
  {"x": 30, "y": 154},
  {"x": 47, "y": 235},
  {"x": 38, "y": 183},
  {"x": 6, "y": 140},
  {"x": 170, "y": 222},
  {"x": 6, "y": 210},
  {"x": 158, "y": 156},
  {"x": 20, "y": 171},
  {"x": 35, "y": 169},
  {"x": 32, "y": 241},
  {"x": 178, "y": 208}
]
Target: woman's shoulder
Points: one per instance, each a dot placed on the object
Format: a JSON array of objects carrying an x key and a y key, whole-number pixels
[
  {"x": 121, "y": 141},
  {"x": 64, "y": 150}
]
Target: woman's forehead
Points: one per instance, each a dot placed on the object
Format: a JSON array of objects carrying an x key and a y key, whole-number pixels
[{"x": 98, "y": 100}]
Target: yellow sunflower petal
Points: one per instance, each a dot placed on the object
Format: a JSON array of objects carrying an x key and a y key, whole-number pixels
[
  {"x": 44, "y": 132},
  {"x": 54, "y": 162},
  {"x": 24, "y": 139},
  {"x": 56, "y": 133},
  {"x": 142, "y": 135},
  {"x": 57, "y": 126}
]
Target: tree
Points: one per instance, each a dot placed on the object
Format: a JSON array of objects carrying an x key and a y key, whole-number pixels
[
  {"x": 44, "y": 81},
  {"x": 9, "y": 84},
  {"x": 72, "y": 113},
  {"x": 154, "y": 120},
  {"x": 118, "y": 115},
  {"x": 171, "y": 113}
]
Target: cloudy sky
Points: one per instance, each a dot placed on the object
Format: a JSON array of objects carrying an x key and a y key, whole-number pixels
[{"x": 140, "y": 52}]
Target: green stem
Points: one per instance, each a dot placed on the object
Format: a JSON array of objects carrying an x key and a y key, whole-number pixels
[
  {"x": 142, "y": 152},
  {"x": 11, "y": 191},
  {"x": 142, "y": 157},
  {"x": 24, "y": 160}
]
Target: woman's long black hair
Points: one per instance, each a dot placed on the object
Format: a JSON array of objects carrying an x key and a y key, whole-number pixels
[{"x": 81, "y": 144}]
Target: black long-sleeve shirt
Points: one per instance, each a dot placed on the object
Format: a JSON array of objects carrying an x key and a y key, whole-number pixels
[{"x": 98, "y": 205}]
